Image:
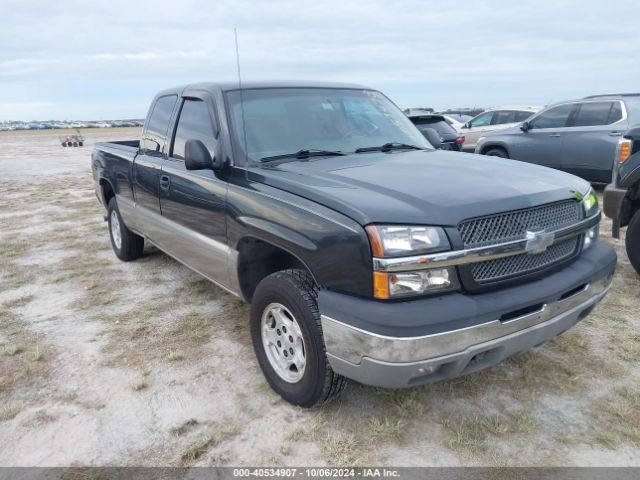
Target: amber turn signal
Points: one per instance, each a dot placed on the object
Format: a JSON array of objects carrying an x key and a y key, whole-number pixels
[
  {"x": 375, "y": 241},
  {"x": 380, "y": 285},
  {"x": 624, "y": 150}
]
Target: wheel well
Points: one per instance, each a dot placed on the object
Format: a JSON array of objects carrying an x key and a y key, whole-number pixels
[
  {"x": 486, "y": 148},
  {"x": 630, "y": 205},
  {"x": 258, "y": 259},
  {"x": 107, "y": 191}
]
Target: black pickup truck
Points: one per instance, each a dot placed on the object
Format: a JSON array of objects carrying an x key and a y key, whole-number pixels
[
  {"x": 622, "y": 195},
  {"x": 364, "y": 252}
]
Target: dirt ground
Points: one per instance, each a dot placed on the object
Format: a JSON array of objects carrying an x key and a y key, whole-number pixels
[{"x": 144, "y": 363}]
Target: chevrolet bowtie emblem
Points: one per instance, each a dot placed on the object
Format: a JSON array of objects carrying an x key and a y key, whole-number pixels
[{"x": 539, "y": 241}]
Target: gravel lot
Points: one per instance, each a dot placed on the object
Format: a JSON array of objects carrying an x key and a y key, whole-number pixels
[{"x": 107, "y": 363}]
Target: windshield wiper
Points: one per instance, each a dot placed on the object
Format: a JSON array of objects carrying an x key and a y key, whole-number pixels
[
  {"x": 387, "y": 147},
  {"x": 301, "y": 154}
]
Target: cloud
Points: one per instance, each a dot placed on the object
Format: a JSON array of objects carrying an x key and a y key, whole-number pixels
[{"x": 418, "y": 52}]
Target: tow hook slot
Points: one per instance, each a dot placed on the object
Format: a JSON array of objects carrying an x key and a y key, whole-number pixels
[
  {"x": 523, "y": 313},
  {"x": 574, "y": 292}
]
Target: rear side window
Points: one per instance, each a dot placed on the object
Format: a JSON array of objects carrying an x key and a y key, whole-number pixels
[
  {"x": 194, "y": 123},
  {"x": 502, "y": 117},
  {"x": 155, "y": 132},
  {"x": 522, "y": 116},
  {"x": 597, "y": 113},
  {"x": 556, "y": 117}
]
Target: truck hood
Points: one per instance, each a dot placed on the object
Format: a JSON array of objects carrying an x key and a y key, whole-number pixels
[{"x": 419, "y": 187}]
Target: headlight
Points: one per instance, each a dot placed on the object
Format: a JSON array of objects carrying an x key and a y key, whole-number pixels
[
  {"x": 590, "y": 203},
  {"x": 402, "y": 284},
  {"x": 401, "y": 241},
  {"x": 590, "y": 206},
  {"x": 390, "y": 241}
]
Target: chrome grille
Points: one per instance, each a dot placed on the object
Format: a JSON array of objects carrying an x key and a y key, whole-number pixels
[
  {"x": 500, "y": 268},
  {"x": 510, "y": 226}
]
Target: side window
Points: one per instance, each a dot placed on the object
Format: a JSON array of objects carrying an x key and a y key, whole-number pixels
[
  {"x": 481, "y": 120},
  {"x": 615, "y": 114},
  {"x": 194, "y": 123},
  {"x": 555, "y": 117},
  {"x": 593, "y": 113},
  {"x": 155, "y": 131},
  {"x": 522, "y": 116},
  {"x": 502, "y": 117}
]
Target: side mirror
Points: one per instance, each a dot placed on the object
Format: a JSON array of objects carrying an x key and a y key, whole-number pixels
[
  {"x": 525, "y": 127},
  {"x": 466, "y": 125},
  {"x": 197, "y": 156}
]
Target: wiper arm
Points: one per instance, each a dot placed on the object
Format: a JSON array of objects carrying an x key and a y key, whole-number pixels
[
  {"x": 387, "y": 147},
  {"x": 301, "y": 154}
]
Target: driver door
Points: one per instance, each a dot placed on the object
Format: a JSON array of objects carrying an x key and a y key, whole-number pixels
[
  {"x": 474, "y": 129},
  {"x": 543, "y": 142}
]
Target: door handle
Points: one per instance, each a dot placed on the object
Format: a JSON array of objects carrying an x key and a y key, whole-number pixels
[
  {"x": 165, "y": 182},
  {"x": 554, "y": 135},
  {"x": 615, "y": 134}
]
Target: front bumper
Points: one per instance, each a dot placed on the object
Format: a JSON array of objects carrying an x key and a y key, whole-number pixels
[{"x": 410, "y": 343}]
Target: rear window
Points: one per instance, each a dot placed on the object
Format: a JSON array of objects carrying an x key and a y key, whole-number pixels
[
  {"x": 597, "y": 113},
  {"x": 155, "y": 132},
  {"x": 439, "y": 125},
  {"x": 502, "y": 117}
]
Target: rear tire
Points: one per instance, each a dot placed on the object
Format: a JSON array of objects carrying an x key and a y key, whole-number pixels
[
  {"x": 497, "y": 152},
  {"x": 633, "y": 241},
  {"x": 126, "y": 245},
  {"x": 289, "y": 298}
]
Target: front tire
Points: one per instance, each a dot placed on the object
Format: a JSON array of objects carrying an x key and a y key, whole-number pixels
[
  {"x": 497, "y": 152},
  {"x": 287, "y": 338},
  {"x": 126, "y": 245},
  {"x": 632, "y": 241}
]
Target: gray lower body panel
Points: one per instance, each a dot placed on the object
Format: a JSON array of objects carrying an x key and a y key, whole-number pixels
[{"x": 210, "y": 258}]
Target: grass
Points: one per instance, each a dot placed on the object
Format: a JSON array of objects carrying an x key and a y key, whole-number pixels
[
  {"x": 36, "y": 355},
  {"x": 13, "y": 349},
  {"x": 616, "y": 417},
  {"x": 385, "y": 428},
  {"x": 139, "y": 385},
  {"x": 476, "y": 434},
  {"x": 200, "y": 447},
  {"x": 9, "y": 412},
  {"x": 184, "y": 428},
  {"x": 175, "y": 355}
]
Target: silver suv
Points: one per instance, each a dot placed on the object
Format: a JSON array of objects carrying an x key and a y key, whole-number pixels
[
  {"x": 578, "y": 136},
  {"x": 493, "y": 119}
]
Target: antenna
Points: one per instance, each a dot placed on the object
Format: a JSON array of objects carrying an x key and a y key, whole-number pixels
[{"x": 244, "y": 129}]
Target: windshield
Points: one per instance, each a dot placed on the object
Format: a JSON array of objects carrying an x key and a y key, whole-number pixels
[{"x": 279, "y": 121}]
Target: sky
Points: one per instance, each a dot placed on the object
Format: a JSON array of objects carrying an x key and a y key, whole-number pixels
[{"x": 96, "y": 60}]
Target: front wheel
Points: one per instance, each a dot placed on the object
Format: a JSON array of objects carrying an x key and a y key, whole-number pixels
[
  {"x": 126, "y": 244},
  {"x": 497, "y": 152},
  {"x": 632, "y": 241},
  {"x": 287, "y": 338}
]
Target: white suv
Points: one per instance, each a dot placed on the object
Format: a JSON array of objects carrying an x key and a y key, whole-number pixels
[{"x": 493, "y": 119}]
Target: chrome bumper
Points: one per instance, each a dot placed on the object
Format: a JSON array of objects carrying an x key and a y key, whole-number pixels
[{"x": 404, "y": 361}]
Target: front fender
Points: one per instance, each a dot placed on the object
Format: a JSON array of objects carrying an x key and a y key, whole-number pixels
[{"x": 334, "y": 247}]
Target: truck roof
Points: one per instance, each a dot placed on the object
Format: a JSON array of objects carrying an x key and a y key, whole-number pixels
[{"x": 233, "y": 85}]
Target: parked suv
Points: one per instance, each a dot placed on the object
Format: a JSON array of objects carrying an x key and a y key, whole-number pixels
[
  {"x": 622, "y": 195},
  {"x": 438, "y": 131},
  {"x": 493, "y": 119},
  {"x": 579, "y": 136}
]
